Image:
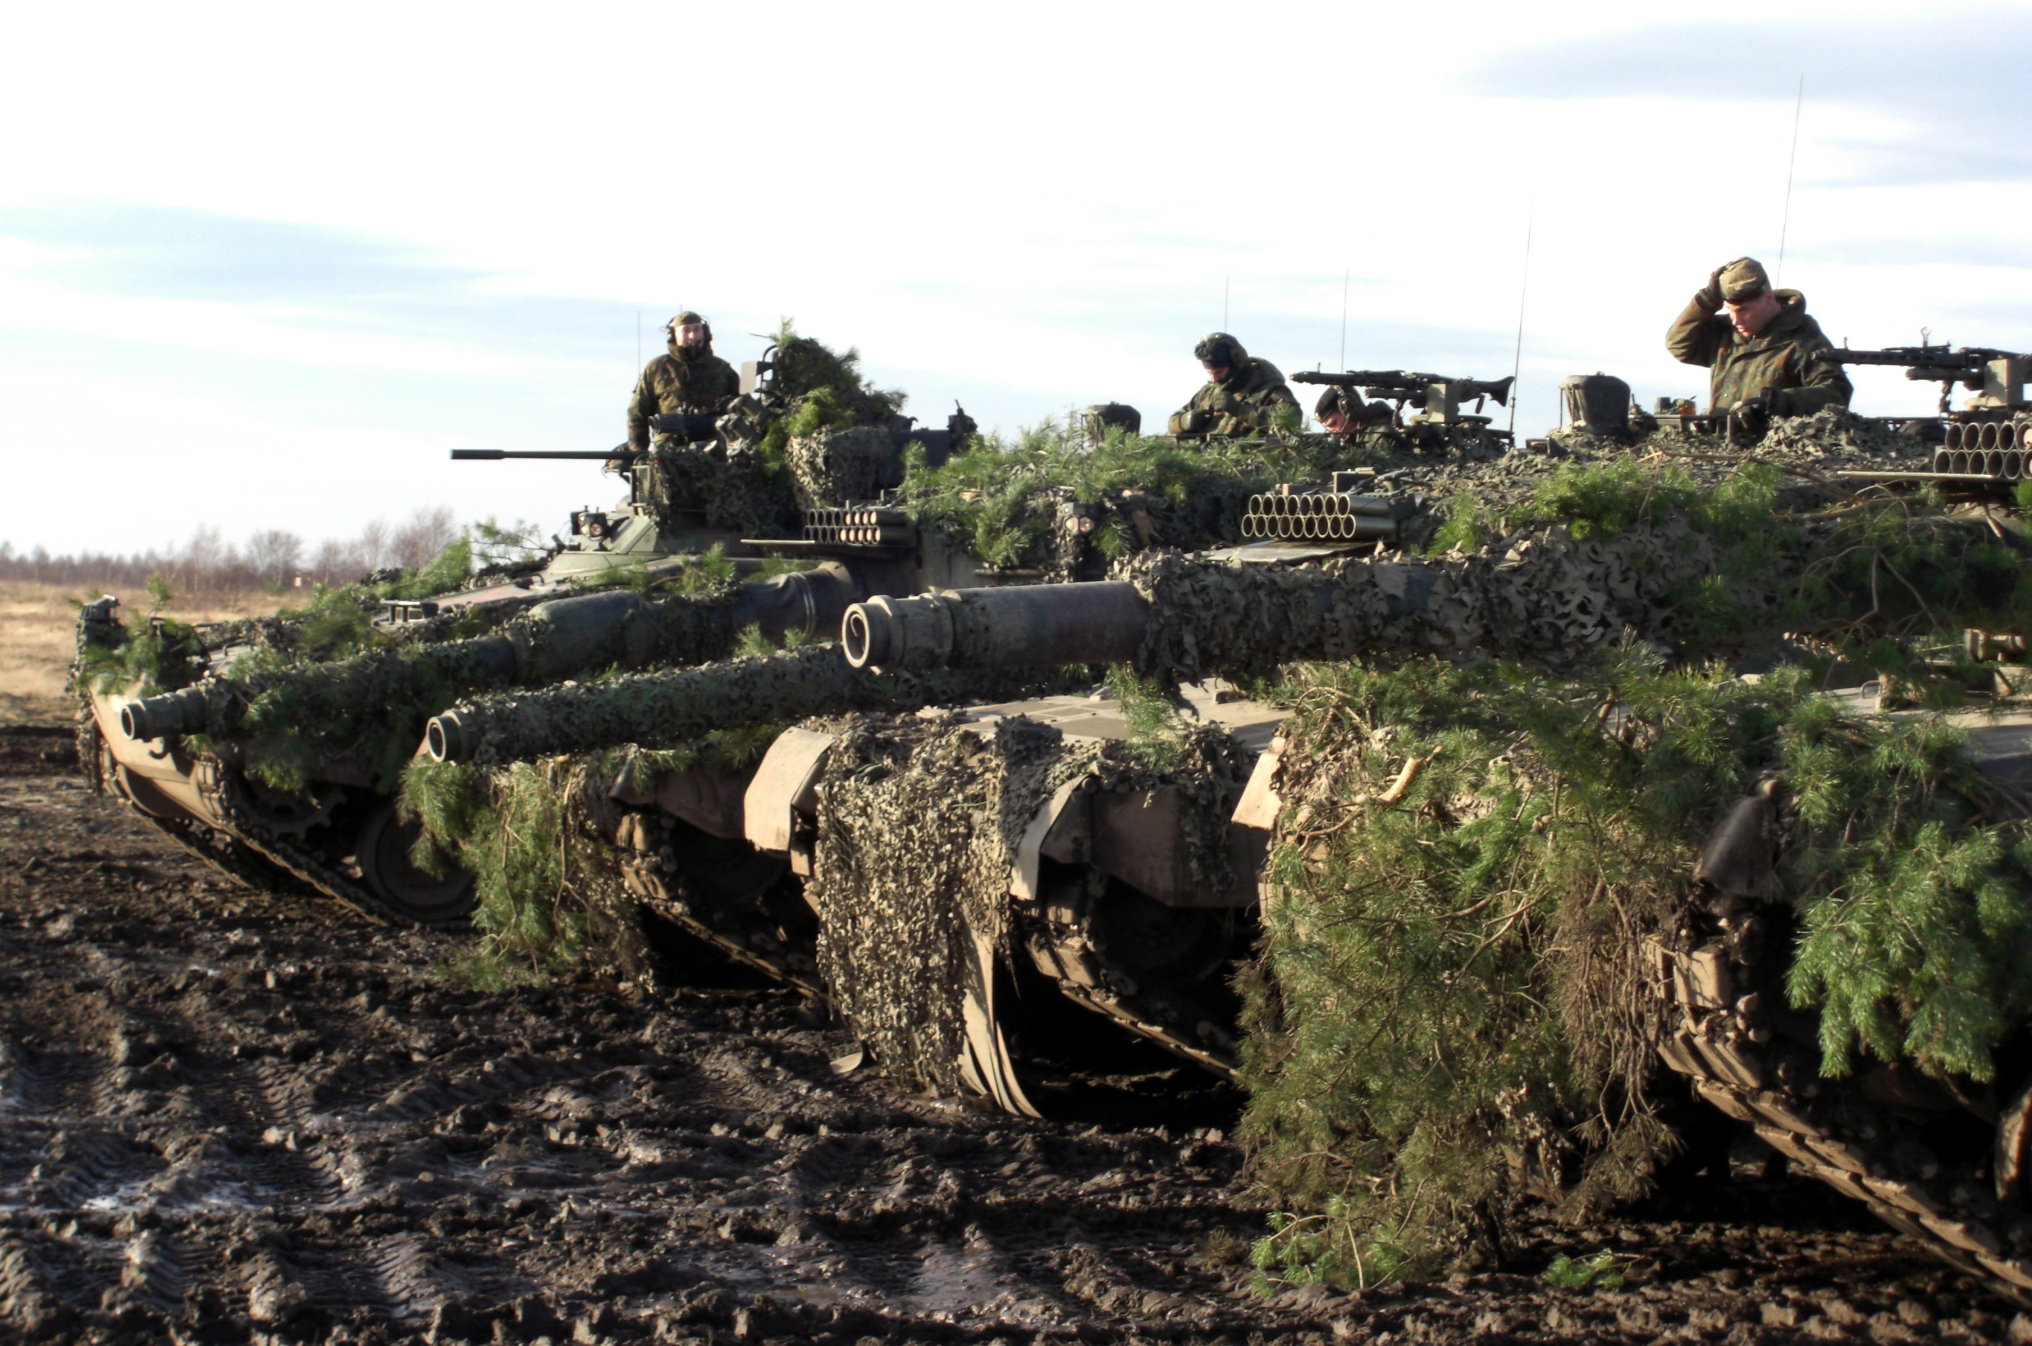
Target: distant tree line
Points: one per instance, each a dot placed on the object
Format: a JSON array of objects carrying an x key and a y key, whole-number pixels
[{"x": 270, "y": 558}]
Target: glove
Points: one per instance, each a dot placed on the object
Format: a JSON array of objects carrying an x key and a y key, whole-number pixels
[
  {"x": 1710, "y": 298},
  {"x": 1752, "y": 415}
]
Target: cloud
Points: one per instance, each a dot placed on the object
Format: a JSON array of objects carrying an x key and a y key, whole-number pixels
[
  {"x": 307, "y": 276},
  {"x": 1953, "y": 79}
]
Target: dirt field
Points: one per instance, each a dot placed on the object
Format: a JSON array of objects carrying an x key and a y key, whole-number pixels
[
  {"x": 227, "y": 1117},
  {"x": 37, "y": 636}
]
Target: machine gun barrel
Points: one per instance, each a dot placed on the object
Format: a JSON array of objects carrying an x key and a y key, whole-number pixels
[
  {"x": 1997, "y": 375},
  {"x": 1409, "y": 381},
  {"x": 1405, "y": 384}
]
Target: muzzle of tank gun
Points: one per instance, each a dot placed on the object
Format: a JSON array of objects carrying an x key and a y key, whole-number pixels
[
  {"x": 445, "y": 739},
  {"x": 157, "y": 716},
  {"x": 810, "y": 603},
  {"x": 1032, "y": 626}
]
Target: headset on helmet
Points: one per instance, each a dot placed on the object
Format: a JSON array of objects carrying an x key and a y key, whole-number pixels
[{"x": 670, "y": 328}]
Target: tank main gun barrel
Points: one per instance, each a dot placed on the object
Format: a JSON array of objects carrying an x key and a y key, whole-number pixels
[
  {"x": 1169, "y": 617},
  {"x": 551, "y": 640},
  {"x": 1175, "y": 617},
  {"x": 682, "y": 704},
  {"x": 1032, "y": 626},
  {"x": 496, "y": 455}
]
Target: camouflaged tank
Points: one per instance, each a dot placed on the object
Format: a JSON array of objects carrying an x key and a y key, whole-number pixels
[
  {"x": 272, "y": 748},
  {"x": 925, "y": 845}
]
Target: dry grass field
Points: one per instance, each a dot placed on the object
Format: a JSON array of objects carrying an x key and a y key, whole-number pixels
[{"x": 37, "y": 628}]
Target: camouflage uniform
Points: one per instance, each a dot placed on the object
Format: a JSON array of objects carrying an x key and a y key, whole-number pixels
[
  {"x": 1247, "y": 404},
  {"x": 700, "y": 384},
  {"x": 1782, "y": 361}
]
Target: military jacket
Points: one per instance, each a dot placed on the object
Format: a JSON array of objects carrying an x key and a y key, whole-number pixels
[
  {"x": 1785, "y": 359},
  {"x": 669, "y": 385},
  {"x": 1246, "y": 404}
]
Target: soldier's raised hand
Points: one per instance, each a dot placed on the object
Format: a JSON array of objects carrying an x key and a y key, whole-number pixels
[{"x": 1711, "y": 297}]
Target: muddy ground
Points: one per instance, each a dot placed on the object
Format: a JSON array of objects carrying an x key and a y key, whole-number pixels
[{"x": 229, "y": 1117}]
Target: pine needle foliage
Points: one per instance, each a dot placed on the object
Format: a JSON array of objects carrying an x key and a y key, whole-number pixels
[
  {"x": 1452, "y": 990},
  {"x": 1603, "y": 1271},
  {"x": 1002, "y": 497},
  {"x": 535, "y": 836},
  {"x": 1869, "y": 578},
  {"x": 826, "y": 391},
  {"x": 547, "y": 884}
]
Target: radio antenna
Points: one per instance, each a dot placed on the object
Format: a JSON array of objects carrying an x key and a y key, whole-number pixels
[
  {"x": 1346, "y": 271},
  {"x": 1523, "y": 293},
  {"x": 1785, "y": 221},
  {"x": 1224, "y": 303}
]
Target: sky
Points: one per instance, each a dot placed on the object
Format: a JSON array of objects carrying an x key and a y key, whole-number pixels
[{"x": 261, "y": 266}]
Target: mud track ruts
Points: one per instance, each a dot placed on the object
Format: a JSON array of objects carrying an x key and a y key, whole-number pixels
[{"x": 229, "y": 1116}]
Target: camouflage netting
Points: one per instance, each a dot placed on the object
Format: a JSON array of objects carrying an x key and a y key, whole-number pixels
[
  {"x": 829, "y": 468},
  {"x": 1598, "y": 556},
  {"x": 288, "y": 721},
  {"x": 918, "y": 827},
  {"x": 1453, "y": 1006},
  {"x": 1545, "y": 593},
  {"x": 660, "y": 709},
  {"x": 735, "y": 491},
  {"x": 919, "y": 822}
]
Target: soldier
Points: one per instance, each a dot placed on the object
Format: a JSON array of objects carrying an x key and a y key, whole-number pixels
[
  {"x": 1343, "y": 414},
  {"x": 690, "y": 380},
  {"x": 1243, "y": 396},
  {"x": 1765, "y": 351}
]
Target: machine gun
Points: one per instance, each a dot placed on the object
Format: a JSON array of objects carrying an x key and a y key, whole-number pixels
[
  {"x": 1996, "y": 377},
  {"x": 1442, "y": 396}
]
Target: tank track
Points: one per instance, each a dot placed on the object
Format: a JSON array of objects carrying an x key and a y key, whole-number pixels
[
  {"x": 1068, "y": 956},
  {"x": 223, "y": 790},
  {"x": 248, "y": 853},
  {"x": 746, "y": 937},
  {"x": 1723, "y": 1036},
  {"x": 1089, "y": 978},
  {"x": 225, "y": 854}
]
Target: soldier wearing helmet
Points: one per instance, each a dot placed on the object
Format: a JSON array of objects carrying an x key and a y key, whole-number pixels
[
  {"x": 1343, "y": 414},
  {"x": 689, "y": 380},
  {"x": 1766, "y": 355},
  {"x": 1244, "y": 395}
]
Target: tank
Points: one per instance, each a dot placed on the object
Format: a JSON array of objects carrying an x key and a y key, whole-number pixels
[
  {"x": 252, "y": 747},
  {"x": 932, "y": 820},
  {"x": 927, "y": 873}
]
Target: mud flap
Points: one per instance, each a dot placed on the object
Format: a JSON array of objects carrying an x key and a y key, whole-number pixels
[{"x": 984, "y": 1056}]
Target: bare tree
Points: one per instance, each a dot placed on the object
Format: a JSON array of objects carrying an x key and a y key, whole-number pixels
[
  {"x": 334, "y": 562},
  {"x": 372, "y": 548},
  {"x": 428, "y": 532},
  {"x": 273, "y": 554}
]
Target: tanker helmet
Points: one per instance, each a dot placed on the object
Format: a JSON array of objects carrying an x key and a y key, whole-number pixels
[
  {"x": 1337, "y": 401},
  {"x": 688, "y": 319},
  {"x": 1218, "y": 350}
]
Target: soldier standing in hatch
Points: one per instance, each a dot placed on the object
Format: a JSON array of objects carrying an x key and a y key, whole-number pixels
[
  {"x": 1766, "y": 354},
  {"x": 1244, "y": 395},
  {"x": 690, "y": 380}
]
